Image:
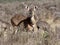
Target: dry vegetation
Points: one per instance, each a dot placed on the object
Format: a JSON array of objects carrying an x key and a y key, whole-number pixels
[{"x": 48, "y": 13}]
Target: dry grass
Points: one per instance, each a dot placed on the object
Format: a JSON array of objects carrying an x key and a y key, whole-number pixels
[{"x": 48, "y": 33}]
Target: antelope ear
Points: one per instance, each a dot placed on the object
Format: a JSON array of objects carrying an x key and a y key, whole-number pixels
[
  {"x": 26, "y": 6},
  {"x": 35, "y": 8}
]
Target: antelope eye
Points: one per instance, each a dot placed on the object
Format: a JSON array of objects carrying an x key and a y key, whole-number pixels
[
  {"x": 27, "y": 6},
  {"x": 35, "y": 7}
]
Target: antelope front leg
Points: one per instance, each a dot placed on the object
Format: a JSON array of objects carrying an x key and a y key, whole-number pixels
[{"x": 35, "y": 28}]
